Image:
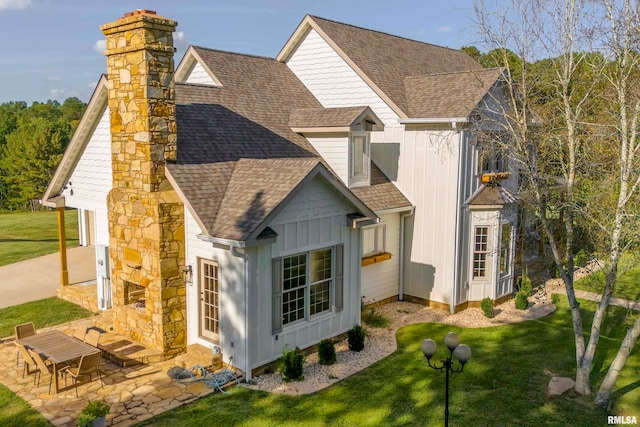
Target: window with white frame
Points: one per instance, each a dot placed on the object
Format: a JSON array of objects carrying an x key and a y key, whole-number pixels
[
  {"x": 480, "y": 251},
  {"x": 505, "y": 249},
  {"x": 359, "y": 164},
  {"x": 307, "y": 281},
  {"x": 373, "y": 240},
  {"x": 493, "y": 154}
]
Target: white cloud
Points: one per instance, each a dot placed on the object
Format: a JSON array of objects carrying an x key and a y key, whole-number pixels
[
  {"x": 14, "y": 4},
  {"x": 56, "y": 92},
  {"x": 178, "y": 36},
  {"x": 99, "y": 46},
  {"x": 92, "y": 85},
  {"x": 444, "y": 29}
]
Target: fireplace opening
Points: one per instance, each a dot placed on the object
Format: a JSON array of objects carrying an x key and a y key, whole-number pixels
[{"x": 134, "y": 294}]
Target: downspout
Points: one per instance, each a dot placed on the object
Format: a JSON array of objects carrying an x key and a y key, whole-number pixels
[
  {"x": 456, "y": 247},
  {"x": 247, "y": 260},
  {"x": 401, "y": 269}
]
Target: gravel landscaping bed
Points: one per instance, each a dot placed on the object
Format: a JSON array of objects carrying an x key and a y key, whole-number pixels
[{"x": 382, "y": 342}]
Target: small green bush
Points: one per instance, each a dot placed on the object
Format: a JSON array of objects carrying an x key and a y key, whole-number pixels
[
  {"x": 372, "y": 318},
  {"x": 356, "y": 335},
  {"x": 581, "y": 259},
  {"x": 291, "y": 364},
  {"x": 326, "y": 352},
  {"x": 522, "y": 302},
  {"x": 525, "y": 284},
  {"x": 95, "y": 409},
  {"x": 487, "y": 307},
  {"x": 555, "y": 299}
]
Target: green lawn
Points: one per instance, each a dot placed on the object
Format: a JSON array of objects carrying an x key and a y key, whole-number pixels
[
  {"x": 16, "y": 412},
  {"x": 46, "y": 312},
  {"x": 28, "y": 235},
  {"x": 628, "y": 284},
  {"x": 503, "y": 384}
]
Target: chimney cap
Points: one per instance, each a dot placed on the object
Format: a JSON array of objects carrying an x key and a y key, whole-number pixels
[{"x": 139, "y": 12}]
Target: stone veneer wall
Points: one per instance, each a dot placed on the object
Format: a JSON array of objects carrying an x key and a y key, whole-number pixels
[{"x": 146, "y": 216}]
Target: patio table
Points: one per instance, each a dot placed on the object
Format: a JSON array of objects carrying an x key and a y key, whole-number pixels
[{"x": 57, "y": 347}]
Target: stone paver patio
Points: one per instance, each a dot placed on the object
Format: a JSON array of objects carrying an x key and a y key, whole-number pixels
[{"x": 135, "y": 393}]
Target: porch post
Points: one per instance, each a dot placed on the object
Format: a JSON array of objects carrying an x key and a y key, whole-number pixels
[{"x": 62, "y": 239}]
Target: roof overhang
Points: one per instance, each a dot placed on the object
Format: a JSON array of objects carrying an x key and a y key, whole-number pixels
[
  {"x": 88, "y": 123},
  {"x": 189, "y": 60},
  {"x": 434, "y": 120}
]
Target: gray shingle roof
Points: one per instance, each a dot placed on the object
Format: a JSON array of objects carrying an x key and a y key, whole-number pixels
[
  {"x": 387, "y": 60},
  {"x": 491, "y": 195},
  {"x": 448, "y": 95},
  {"x": 237, "y": 155},
  {"x": 324, "y": 117}
]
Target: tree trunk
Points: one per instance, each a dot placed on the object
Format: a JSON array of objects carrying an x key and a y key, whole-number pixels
[{"x": 603, "y": 398}]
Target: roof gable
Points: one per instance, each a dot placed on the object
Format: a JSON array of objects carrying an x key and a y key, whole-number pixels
[
  {"x": 386, "y": 61},
  {"x": 193, "y": 62},
  {"x": 88, "y": 123},
  {"x": 448, "y": 95},
  {"x": 339, "y": 118}
]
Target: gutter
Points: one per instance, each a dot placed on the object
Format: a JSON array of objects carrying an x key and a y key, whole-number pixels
[
  {"x": 428, "y": 120},
  {"x": 220, "y": 241},
  {"x": 401, "y": 267},
  {"x": 247, "y": 261},
  {"x": 456, "y": 249}
]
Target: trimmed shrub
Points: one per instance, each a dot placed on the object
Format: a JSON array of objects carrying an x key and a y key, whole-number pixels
[
  {"x": 487, "y": 307},
  {"x": 525, "y": 284},
  {"x": 356, "y": 335},
  {"x": 291, "y": 365},
  {"x": 326, "y": 352},
  {"x": 555, "y": 299},
  {"x": 522, "y": 302}
]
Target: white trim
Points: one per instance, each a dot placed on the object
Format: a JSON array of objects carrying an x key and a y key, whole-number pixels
[
  {"x": 395, "y": 210},
  {"x": 418, "y": 120},
  {"x": 221, "y": 241}
]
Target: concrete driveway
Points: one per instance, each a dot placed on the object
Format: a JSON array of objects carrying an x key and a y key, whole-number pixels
[{"x": 38, "y": 278}]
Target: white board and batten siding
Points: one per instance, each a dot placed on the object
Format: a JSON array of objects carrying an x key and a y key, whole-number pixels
[
  {"x": 91, "y": 179},
  {"x": 313, "y": 219},
  {"x": 199, "y": 75},
  {"x": 428, "y": 175},
  {"x": 232, "y": 294},
  {"x": 335, "y": 150},
  {"x": 380, "y": 280},
  {"x": 331, "y": 80}
]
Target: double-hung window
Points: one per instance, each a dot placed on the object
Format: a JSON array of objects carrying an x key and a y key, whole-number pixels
[
  {"x": 359, "y": 165},
  {"x": 505, "y": 249},
  {"x": 480, "y": 250},
  {"x": 307, "y": 284},
  {"x": 307, "y": 280}
]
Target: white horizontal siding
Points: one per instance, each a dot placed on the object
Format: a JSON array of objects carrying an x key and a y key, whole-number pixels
[
  {"x": 332, "y": 80},
  {"x": 91, "y": 179},
  {"x": 200, "y": 76},
  {"x": 380, "y": 280},
  {"x": 335, "y": 150}
]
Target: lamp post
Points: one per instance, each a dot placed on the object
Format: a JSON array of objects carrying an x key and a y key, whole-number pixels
[{"x": 461, "y": 352}]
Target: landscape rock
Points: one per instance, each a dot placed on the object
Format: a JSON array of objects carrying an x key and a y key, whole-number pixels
[{"x": 559, "y": 386}]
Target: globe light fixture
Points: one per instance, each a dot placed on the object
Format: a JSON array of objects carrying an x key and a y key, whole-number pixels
[{"x": 457, "y": 351}]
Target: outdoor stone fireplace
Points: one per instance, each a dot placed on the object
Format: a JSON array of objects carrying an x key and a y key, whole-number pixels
[{"x": 146, "y": 216}]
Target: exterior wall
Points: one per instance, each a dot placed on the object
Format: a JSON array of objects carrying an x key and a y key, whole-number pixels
[
  {"x": 332, "y": 80},
  {"x": 380, "y": 280},
  {"x": 314, "y": 219},
  {"x": 232, "y": 295},
  {"x": 428, "y": 175},
  {"x": 335, "y": 150},
  {"x": 200, "y": 76}
]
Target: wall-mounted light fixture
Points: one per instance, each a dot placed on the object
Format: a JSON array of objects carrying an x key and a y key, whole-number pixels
[{"x": 188, "y": 274}]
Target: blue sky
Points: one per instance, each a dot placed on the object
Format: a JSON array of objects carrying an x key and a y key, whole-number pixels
[{"x": 52, "y": 49}]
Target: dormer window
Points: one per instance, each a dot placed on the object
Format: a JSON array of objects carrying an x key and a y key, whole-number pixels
[
  {"x": 360, "y": 159},
  {"x": 493, "y": 154}
]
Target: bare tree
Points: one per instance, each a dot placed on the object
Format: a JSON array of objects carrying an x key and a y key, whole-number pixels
[{"x": 578, "y": 62}]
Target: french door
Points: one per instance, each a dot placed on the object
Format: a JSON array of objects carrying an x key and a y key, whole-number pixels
[{"x": 209, "y": 300}]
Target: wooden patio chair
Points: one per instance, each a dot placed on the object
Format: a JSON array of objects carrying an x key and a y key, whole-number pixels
[
  {"x": 22, "y": 331},
  {"x": 92, "y": 337},
  {"x": 80, "y": 332},
  {"x": 87, "y": 366},
  {"x": 28, "y": 360},
  {"x": 42, "y": 367}
]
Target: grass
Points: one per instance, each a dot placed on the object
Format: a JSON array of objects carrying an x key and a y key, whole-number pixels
[
  {"x": 503, "y": 384},
  {"x": 627, "y": 286},
  {"x": 27, "y": 235},
  {"x": 46, "y": 312},
  {"x": 16, "y": 412}
]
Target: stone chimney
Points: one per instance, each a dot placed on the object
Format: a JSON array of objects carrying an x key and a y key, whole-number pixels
[{"x": 146, "y": 217}]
